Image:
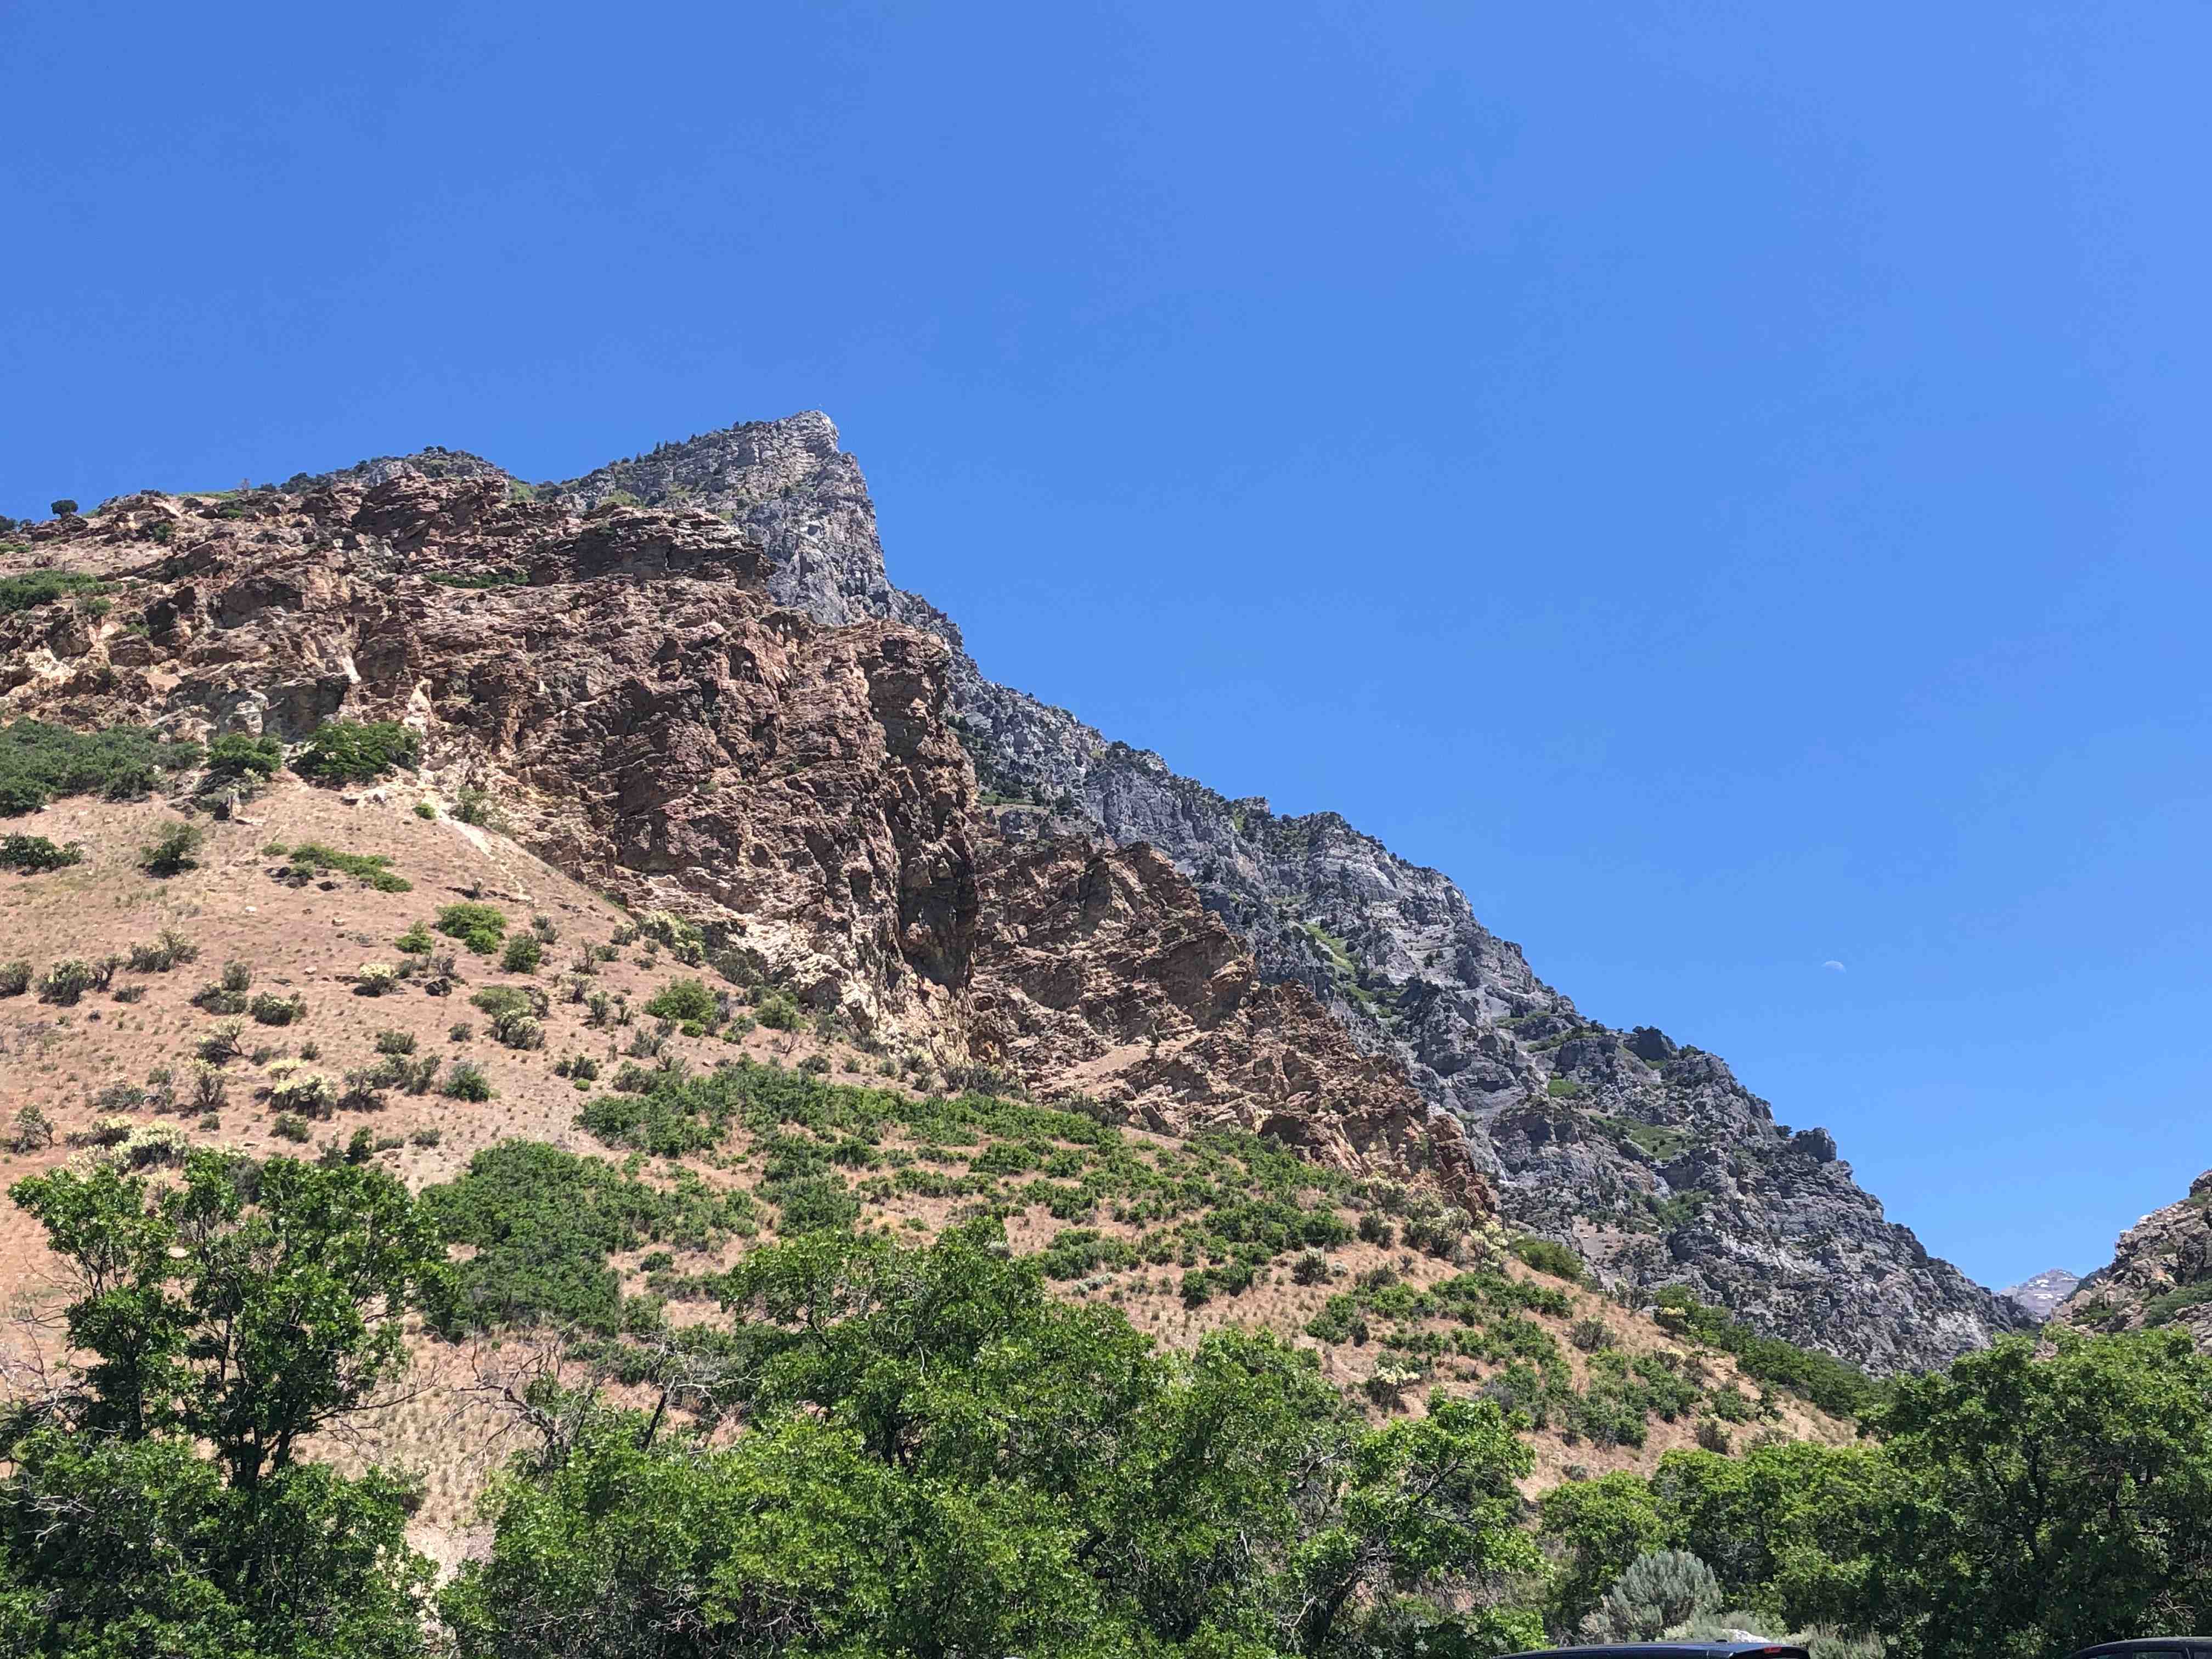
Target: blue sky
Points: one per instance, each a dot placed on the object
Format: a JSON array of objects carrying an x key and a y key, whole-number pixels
[{"x": 1724, "y": 482}]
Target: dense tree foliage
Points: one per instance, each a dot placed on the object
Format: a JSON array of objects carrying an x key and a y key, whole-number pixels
[
  {"x": 2012, "y": 1505},
  {"x": 158, "y": 1503},
  {"x": 38, "y": 762},
  {"x": 2041, "y": 1505},
  {"x": 937, "y": 1458}
]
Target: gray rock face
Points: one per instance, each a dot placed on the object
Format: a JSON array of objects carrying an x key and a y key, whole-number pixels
[
  {"x": 1650, "y": 1157},
  {"x": 2041, "y": 1295},
  {"x": 786, "y": 481}
]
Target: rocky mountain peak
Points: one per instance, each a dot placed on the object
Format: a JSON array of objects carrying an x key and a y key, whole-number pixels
[{"x": 2041, "y": 1294}]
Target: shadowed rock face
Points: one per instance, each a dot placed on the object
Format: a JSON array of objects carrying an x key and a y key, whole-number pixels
[
  {"x": 651, "y": 720},
  {"x": 2160, "y": 1273},
  {"x": 1652, "y": 1158},
  {"x": 1101, "y": 973}
]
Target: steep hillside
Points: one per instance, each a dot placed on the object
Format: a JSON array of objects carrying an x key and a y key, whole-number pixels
[
  {"x": 2160, "y": 1273},
  {"x": 1650, "y": 1155}
]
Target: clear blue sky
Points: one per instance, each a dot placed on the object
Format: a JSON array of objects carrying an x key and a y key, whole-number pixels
[{"x": 1724, "y": 482}]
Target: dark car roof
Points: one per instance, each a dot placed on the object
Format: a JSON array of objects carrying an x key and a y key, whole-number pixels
[
  {"x": 2147, "y": 1644},
  {"x": 1669, "y": 1650}
]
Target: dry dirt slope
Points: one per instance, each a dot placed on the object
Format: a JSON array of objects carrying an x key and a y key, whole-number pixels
[{"x": 99, "y": 1058}]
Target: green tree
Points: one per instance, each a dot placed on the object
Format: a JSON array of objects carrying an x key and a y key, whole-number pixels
[
  {"x": 1595, "y": 1530},
  {"x": 939, "y": 1458},
  {"x": 239, "y": 1310},
  {"x": 2042, "y": 1505},
  {"x": 1426, "y": 1507},
  {"x": 1787, "y": 1528}
]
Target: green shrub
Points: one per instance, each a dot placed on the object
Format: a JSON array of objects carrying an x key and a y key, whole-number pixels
[
  {"x": 168, "y": 949},
  {"x": 685, "y": 1001},
  {"x": 237, "y": 767},
  {"x": 466, "y": 1080},
  {"x": 175, "y": 849},
  {"x": 33, "y": 855},
  {"x": 1840, "y": 1389},
  {"x": 479, "y": 926},
  {"x": 311, "y": 858},
  {"x": 290, "y": 1127},
  {"x": 1548, "y": 1256},
  {"x": 236, "y": 754},
  {"x": 41, "y": 587},
  {"x": 780, "y": 1013},
  {"x": 63, "y": 507},
  {"x": 424, "y": 810},
  {"x": 270, "y": 1009},
  {"x": 39, "y": 763},
  {"x": 544, "y": 1222},
  {"x": 66, "y": 981},
  {"x": 522, "y": 955},
  {"x": 416, "y": 941},
  {"x": 349, "y": 751},
  {"x": 1660, "y": 1589},
  {"x": 473, "y": 805},
  {"x": 395, "y": 1043},
  {"x": 15, "y": 978}
]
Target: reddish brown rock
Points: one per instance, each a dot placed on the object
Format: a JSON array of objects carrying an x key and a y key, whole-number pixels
[
  {"x": 649, "y": 719},
  {"x": 1098, "y": 971}
]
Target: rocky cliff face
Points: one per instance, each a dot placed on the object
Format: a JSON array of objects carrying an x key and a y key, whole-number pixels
[
  {"x": 651, "y": 718},
  {"x": 2160, "y": 1273},
  {"x": 1102, "y": 974},
  {"x": 1650, "y": 1157}
]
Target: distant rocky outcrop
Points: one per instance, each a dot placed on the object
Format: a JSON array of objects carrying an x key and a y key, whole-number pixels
[
  {"x": 2160, "y": 1273},
  {"x": 1652, "y": 1158},
  {"x": 2041, "y": 1295}
]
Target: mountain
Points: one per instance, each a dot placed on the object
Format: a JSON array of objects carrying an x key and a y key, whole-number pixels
[
  {"x": 692, "y": 679},
  {"x": 2160, "y": 1273},
  {"x": 2042, "y": 1294},
  {"x": 1649, "y": 1156},
  {"x": 527, "y": 828}
]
